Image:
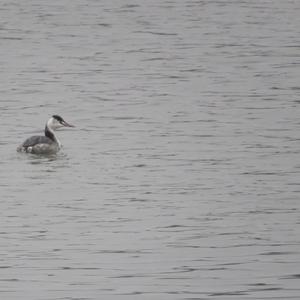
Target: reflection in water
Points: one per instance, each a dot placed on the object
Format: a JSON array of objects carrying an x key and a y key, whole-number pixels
[{"x": 45, "y": 158}]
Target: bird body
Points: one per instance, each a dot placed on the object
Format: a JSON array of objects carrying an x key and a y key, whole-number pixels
[{"x": 47, "y": 144}]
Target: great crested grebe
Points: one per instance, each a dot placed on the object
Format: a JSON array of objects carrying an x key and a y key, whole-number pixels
[{"x": 47, "y": 144}]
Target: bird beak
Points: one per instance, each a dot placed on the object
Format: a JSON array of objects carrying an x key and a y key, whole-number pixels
[{"x": 67, "y": 124}]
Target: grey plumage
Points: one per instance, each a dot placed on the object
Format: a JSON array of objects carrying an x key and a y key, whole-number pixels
[
  {"x": 39, "y": 145},
  {"x": 36, "y": 139}
]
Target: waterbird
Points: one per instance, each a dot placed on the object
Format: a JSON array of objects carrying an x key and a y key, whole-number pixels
[{"x": 47, "y": 144}]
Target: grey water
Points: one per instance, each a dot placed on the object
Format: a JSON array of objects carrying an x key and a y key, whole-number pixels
[{"x": 181, "y": 177}]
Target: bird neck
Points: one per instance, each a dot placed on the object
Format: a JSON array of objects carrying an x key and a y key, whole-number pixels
[{"x": 51, "y": 135}]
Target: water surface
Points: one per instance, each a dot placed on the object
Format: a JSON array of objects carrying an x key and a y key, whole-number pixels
[{"x": 181, "y": 178}]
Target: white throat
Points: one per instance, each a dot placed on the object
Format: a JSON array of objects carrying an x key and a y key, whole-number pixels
[
  {"x": 49, "y": 131},
  {"x": 55, "y": 137}
]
